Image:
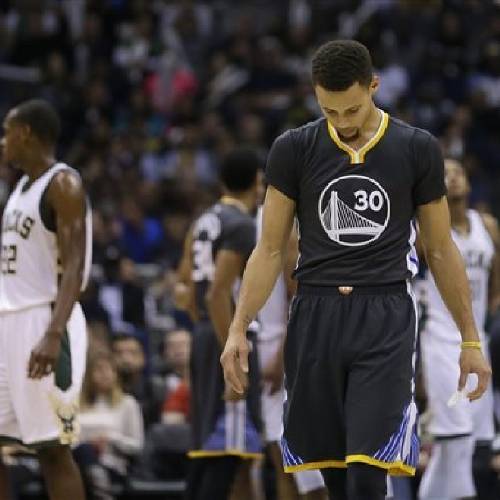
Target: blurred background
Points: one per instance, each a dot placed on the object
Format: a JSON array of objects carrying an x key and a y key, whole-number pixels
[{"x": 152, "y": 94}]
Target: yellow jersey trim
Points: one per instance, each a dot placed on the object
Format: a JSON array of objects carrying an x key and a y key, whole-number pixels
[
  {"x": 223, "y": 453},
  {"x": 338, "y": 464},
  {"x": 358, "y": 156},
  {"x": 394, "y": 468},
  {"x": 398, "y": 468}
]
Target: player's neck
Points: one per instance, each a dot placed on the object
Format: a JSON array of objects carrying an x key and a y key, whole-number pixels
[
  {"x": 372, "y": 124},
  {"x": 367, "y": 130},
  {"x": 458, "y": 215},
  {"x": 242, "y": 202},
  {"x": 35, "y": 166}
]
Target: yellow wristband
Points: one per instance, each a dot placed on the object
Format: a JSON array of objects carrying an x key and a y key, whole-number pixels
[{"x": 471, "y": 345}]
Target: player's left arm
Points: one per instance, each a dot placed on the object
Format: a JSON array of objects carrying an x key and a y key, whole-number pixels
[
  {"x": 446, "y": 264},
  {"x": 491, "y": 225},
  {"x": 66, "y": 197},
  {"x": 229, "y": 266}
]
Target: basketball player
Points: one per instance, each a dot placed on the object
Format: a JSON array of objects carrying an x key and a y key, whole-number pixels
[
  {"x": 224, "y": 425},
  {"x": 456, "y": 429},
  {"x": 355, "y": 179},
  {"x": 272, "y": 329},
  {"x": 45, "y": 259}
]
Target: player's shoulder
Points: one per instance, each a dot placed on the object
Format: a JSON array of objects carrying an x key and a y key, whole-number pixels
[
  {"x": 65, "y": 176},
  {"x": 231, "y": 216},
  {"x": 491, "y": 225},
  {"x": 418, "y": 137},
  {"x": 302, "y": 136},
  {"x": 418, "y": 142}
]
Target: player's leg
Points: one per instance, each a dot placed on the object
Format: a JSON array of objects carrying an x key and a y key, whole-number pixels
[
  {"x": 336, "y": 483},
  {"x": 217, "y": 477},
  {"x": 314, "y": 425},
  {"x": 61, "y": 474},
  {"x": 4, "y": 480},
  {"x": 9, "y": 427},
  {"x": 245, "y": 484},
  {"x": 366, "y": 481},
  {"x": 55, "y": 397},
  {"x": 380, "y": 412},
  {"x": 310, "y": 485},
  {"x": 285, "y": 485}
]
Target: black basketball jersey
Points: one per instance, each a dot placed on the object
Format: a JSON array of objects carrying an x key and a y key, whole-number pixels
[
  {"x": 356, "y": 209},
  {"x": 221, "y": 227}
]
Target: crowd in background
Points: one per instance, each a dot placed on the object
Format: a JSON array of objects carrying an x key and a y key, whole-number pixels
[{"x": 152, "y": 94}]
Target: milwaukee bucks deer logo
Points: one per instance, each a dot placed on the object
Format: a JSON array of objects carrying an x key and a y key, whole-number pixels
[{"x": 354, "y": 210}]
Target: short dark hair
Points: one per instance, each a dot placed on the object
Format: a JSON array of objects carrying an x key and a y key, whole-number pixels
[
  {"x": 238, "y": 170},
  {"x": 338, "y": 64},
  {"x": 42, "y": 119}
]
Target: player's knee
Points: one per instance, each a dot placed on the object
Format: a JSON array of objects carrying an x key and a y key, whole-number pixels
[{"x": 366, "y": 481}]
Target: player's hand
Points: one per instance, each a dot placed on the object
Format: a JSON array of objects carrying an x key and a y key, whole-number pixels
[
  {"x": 231, "y": 395},
  {"x": 44, "y": 356},
  {"x": 234, "y": 360},
  {"x": 472, "y": 361}
]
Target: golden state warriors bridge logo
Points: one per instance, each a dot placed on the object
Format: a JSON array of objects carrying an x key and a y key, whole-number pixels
[{"x": 354, "y": 210}]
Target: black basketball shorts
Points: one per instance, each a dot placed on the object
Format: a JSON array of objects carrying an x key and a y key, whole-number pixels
[{"x": 349, "y": 366}]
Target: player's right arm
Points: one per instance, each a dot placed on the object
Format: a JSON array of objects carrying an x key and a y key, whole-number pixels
[
  {"x": 274, "y": 371},
  {"x": 262, "y": 270},
  {"x": 184, "y": 286}
]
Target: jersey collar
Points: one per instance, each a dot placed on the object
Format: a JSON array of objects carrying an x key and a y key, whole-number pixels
[
  {"x": 229, "y": 200},
  {"x": 358, "y": 156}
]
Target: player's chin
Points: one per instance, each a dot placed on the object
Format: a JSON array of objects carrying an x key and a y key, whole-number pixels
[{"x": 349, "y": 134}]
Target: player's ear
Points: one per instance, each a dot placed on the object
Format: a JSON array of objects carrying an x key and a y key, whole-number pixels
[
  {"x": 373, "y": 87},
  {"x": 24, "y": 131}
]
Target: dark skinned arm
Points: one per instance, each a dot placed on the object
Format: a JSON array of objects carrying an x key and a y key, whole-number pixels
[
  {"x": 229, "y": 267},
  {"x": 184, "y": 288},
  {"x": 66, "y": 197}
]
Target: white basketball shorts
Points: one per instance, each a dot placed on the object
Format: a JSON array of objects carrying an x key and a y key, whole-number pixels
[
  {"x": 441, "y": 372},
  {"x": 40, "y": 412}
]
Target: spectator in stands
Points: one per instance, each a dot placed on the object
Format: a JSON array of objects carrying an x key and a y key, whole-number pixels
[
  {"x": 131, "y": 366},
  {"x": 176, "y": 353},
  {"x": 121, "y": 294},
  {"x": 112, "y": 429}
]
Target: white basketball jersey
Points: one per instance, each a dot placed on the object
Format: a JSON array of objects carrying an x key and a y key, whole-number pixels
[
  {"x": 477, "y": 250},
  {"x": 30, "y": 257},
  {"x": 273, "y": 316}
]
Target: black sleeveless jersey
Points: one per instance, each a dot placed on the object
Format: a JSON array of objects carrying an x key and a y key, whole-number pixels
[
  {"x": 356, "y": 209},
  {"x": 221, "y": 227}
]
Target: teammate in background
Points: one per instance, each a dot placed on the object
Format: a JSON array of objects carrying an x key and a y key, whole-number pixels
[
  {"x": 224, "y": 425},
  {"x": 355, "y": 179},
  {"x": 307, "y": 485},
  {"x": 45, "y": 259},
  {"x": 457, "y": 429}
]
